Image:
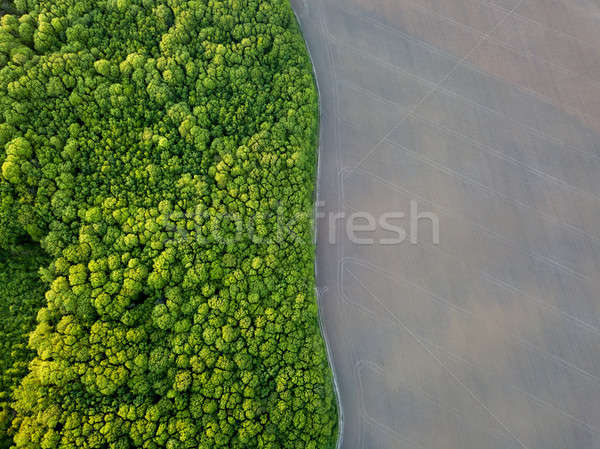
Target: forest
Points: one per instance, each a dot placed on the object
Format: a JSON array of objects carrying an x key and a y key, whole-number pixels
[{"x": 156, "y": 234}]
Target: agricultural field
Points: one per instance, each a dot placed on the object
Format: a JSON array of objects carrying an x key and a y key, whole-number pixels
[
  {"x": 473, "y": 322},
  {"x": 157, "y": 162}
]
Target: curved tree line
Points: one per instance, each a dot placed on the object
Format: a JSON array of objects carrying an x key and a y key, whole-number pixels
[{"x": 162, "y": 152}]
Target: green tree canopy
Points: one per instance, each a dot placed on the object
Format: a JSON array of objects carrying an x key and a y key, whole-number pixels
[{"x": 154, "y": 148}]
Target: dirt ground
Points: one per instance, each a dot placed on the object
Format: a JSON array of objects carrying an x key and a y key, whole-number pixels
[{"x": 486, "y": 115}]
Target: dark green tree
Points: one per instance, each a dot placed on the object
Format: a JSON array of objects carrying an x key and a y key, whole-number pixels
[{"x": 163, "y": 155}]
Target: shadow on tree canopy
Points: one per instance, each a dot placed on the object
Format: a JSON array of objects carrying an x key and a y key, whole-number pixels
[{"x": 123, "y": 123}]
